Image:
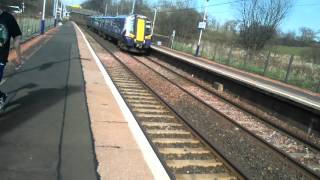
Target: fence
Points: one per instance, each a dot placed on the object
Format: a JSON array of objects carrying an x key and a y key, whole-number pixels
[
  {"x": 288, "y": 68},
  {"x": 30, "y": 26}
]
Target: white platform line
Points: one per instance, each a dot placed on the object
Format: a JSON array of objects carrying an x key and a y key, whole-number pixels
[
  {"x": 249, "y": 81},
  {"x": 149, "y": 155}
]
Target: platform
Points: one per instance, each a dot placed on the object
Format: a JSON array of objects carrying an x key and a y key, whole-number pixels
[
  {"x": 298, "y": 95},
  {"x": 61, "y": 120}
]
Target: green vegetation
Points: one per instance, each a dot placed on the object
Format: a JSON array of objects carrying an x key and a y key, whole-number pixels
[
  {"x": 297, "y": 76},
  {"x": 285, "y": 50},
  {"x": 32, "y": 7},
  {"x": 218, "y": 38}
]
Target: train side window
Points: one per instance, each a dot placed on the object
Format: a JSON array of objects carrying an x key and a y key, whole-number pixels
[
  {"x": 106, "y": 22},
  {"x": 117, "y": 23}
]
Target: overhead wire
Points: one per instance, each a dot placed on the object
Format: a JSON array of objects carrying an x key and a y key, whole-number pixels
[{"x": 200, "y": 7}]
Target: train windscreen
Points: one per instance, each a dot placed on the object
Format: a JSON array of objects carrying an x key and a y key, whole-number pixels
[{"x": 129, "y": 25}]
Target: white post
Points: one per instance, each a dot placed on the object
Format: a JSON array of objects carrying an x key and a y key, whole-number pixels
[
  {"x": 61, "y": 11},
  {"x": 133, "y": 6},
  {"x": 56, "y": 2},
  {"x": 43, "y": 17},
  {"x": 117, "y": 8},
  {"x": 106, "y": 9},
  {"x": 23, "y": 7},
  {"x": 154, "y": 20},
  {"x": 204, "y": 20}
]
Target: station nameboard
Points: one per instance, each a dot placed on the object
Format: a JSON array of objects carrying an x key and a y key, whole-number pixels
[{"x": 202, "y": 25}]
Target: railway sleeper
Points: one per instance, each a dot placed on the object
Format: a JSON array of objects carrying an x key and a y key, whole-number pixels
[
  {"x": 162, "y": 125},
  {"x": 151, "y": 111},
  {"x": 205, "y": 176},
  {"x": 168, "y": 133},
  {"x": 176, "y": 142}
]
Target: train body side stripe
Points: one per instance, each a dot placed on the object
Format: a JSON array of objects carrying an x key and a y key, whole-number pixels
[{"x": 140, "y": 29}]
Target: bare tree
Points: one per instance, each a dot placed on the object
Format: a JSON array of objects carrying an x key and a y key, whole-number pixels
[
  {"x": 307, "y": 35},
  {"x": 259, "y": 20}
]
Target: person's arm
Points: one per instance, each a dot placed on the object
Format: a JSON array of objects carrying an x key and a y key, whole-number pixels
[
  {"x": 16, "y": 35},
  {"x": 16, "y": 42}
]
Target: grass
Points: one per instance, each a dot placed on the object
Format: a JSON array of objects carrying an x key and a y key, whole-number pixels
[
  {"x": 287, "y": 50},
  {"x": 182, "y": 47},
  {"x": 308, "y": 82}
]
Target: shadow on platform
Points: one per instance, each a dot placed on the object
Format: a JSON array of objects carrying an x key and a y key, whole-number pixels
[{"x": 24, "y": 108}]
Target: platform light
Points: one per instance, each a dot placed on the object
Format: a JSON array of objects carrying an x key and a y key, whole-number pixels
[{"x": 133, "y": 6}]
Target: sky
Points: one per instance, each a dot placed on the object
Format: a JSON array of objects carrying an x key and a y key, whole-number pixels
[{"x": 305, "y": 13}]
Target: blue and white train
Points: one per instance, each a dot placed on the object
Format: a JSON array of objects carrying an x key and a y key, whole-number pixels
[{"x": 131, "y": 32}]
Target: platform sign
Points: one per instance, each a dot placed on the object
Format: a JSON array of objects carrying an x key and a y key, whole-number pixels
[{"x": 202, "y": 25}]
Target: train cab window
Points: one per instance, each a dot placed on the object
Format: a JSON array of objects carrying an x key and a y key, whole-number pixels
[{"x": 148, "y": 27}]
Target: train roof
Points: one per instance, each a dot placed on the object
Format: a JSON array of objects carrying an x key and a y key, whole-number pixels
[{"x": 118, "y": 17}]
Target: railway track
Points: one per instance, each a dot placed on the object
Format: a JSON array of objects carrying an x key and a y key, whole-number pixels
[
  {"x": 304, "y": 154},
  {"x": 172, "y": 139},
  {"x": 184, "y": 154}
]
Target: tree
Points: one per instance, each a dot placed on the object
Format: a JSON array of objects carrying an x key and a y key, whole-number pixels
[
  {"x": 33, "y": 7},
  {"x": 308, "y": 36},
  {"x": 259, "y": 20}
]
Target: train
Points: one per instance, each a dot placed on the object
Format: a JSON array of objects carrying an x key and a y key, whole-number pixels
[{"x": 130, "y": 32}]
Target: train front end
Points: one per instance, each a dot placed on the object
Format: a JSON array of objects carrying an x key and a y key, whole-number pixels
[{"x": 138, "y": 33}]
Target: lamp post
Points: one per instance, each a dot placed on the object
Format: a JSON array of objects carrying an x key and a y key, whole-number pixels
[
  {"x": 61, "y": 10},
  {"x": 154, "y": 20},
  {"x": 202, "y": 28},
  {"x": 133, "y": 6},
  {"x": 56, "y": 3},
  {"x": 117, "y": 8},
  {"x": 106, "y": 9},
  {"x": 43, "y": 16}
]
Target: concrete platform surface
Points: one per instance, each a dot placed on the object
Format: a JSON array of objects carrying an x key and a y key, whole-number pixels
[
  {"x": 44, "y": 130},
  {"x": 118, "y": 155}
]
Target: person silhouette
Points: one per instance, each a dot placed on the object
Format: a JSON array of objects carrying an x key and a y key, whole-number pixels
[{"x": 9, "y": 28}]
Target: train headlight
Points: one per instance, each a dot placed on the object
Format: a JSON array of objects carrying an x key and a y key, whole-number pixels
[
  {"x": 148, "y": 37},
  {"x": 131, "y": 36}
]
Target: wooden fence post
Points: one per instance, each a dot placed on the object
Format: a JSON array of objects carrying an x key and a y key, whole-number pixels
[
  {"x": 28, "y": 26},
  {"x": 201, "y": 54},
  {"x": 318, "y": 87},
  {"x": 246, "y": 58},
  {"x": 215, "y": 52},
  {"x": 35, "y": 26},
  {"x": 289, "y": 69},
  {"x": 267, "y": 64},
  {"x": 229, "y": 55}
]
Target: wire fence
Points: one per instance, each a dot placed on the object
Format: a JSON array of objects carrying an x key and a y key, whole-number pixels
[
  {"x": 289, "y": 68},
  {"x": 30, "y": 26}
]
